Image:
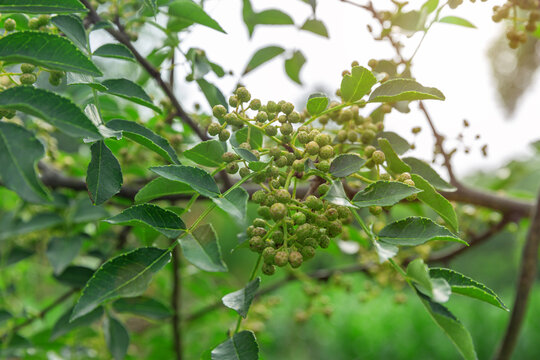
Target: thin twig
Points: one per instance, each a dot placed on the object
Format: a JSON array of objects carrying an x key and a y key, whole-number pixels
[{"x": 176, "y": 303}]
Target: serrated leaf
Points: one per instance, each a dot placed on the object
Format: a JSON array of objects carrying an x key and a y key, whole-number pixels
[
  {"x": 201, "y": 248},
  {"x": 75, "y": 276},
  {"x": 413, "y": 231},
  {"x": 357, "y": 84},
  {"x": 41, "y": 6},
  {"x": 258, "y": 165},
  {"x": 317, "y": 103},
  {"x": 188, "y": 11},
  {"x": 84, "y": 80},
  {"x": 152, "y": 5},
  {"x": 143, "y": 306},
  {"x": 455, "y": 20},
  {"x": 20, "y": 150},
  {"x": 62, "y": 250},
  {"x": 64, "y": 326},
  {"x": 104, "y": 175},
  {"x": 115, "y": 51},
  {"x": 346, "y": 164},
  {"x": 213, "y": 95},
  {"x": 240, "y": 300},
  {"x": 255, "y": 137},
  {"x": 234, "y": 203},
  {"x": 466, "y": 286},
  {"x": 72, "y": 27},
  {"x": 56, "y": 110},
  {"x": 385, "y": 251},
  {"x": 293, "y": 65},
  {"x": 437, "y": 289},
  {"x": 436, "y": 201},
  {"x": 245, "y": 154},
  {"x": 162, "y": 220},
  {"x": 197, "y": 178},
  {"x": 131, "y": 91},
  {"x": 399, "y": 144},
  {"x": 47, "y": 50},
  {"x": 395, "y": 164},
  {"x": 336, "y": 194},
  {"x": 241, "y": 346},
  {"x": 206, "y": 153},
  {"x": 127, "y": 275},
  {"x": 315, "y": 26},
  {"x": 160, "y": 187},
  {"x": 116, "y": 337},
  {"x": 383, "y": 193},
  {"x": 262, "y": 56},
  {"x": 404, "y": 89},
  {"x": 146, "y": 137},
  {"x": 423, "y": 169}
]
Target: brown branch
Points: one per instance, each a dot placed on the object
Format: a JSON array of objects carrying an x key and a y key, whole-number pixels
[
  {"x": 527, "y": 275},
  {"x": 176, "y": 301}
]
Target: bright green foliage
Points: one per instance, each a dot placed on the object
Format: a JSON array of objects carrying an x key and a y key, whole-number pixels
[
  {"x": 346, "y": 164},
  {"x": 160, "y": 187},
  {"x": 130, "y": 91},
  {"x": 206, "y": 153},
  {"x": 197, "y": 178},
  {"x": 72, "y": 26},
  {"x": 437, "y": 289},
  {"x": 456, "y": 20},
  {"x": 41, "y": 6},
  {"x": 293, "y": 65},
  {"x": 202, "y": 249},
  {"x": 262, "y": 56},
  {"x": 404, "y": 89},
  {"x": 317, "y": 103},
  {"x": 188, "y": 11},
  {"x": 423, "y": 169},
  {"x": 115, "y": 51},
  {"x": 383, "y": 193},
  {"x": 62, "y": 250},
  {"x": 357, "y": 84},
  {"x": 315, "y": 26},
  {"x": 241, "y": 346},
  {"x": 63, "y": 325},
  {"x": 240, "y": 300},
  {"x": 414, "y": 231}
]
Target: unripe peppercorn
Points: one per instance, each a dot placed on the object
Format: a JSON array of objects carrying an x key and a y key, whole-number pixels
[
  {"x": 33, "y": 24},
  {"x": 268, "y": 255},
  {"x": 244, "y": 172},
  {"x": 385, "y": 177},
  {"x": 281, "y": 258},
  {"x": 373, "y": 63},
  {"x": 314, "y": 203},
  {"x": 334, "y": 228},
  {"x": 369, "y": 150},
  {"x": 214, "y": 129},
  {"x": 404, "y": 176},
  {"x": 264, "y": 211},
  {"x": 290, "y": 158},
  {"x": 352, "y": 136},
  {"x": 294, "y": 117},
  {"x": 324, "y": 241},
  {"x": 326, "y": 152},
  {"x": 323, "y": 189},
  {"x": 386, "y": 108},
  {"x": 323, "y": 165},
  {"x": 409, "y": 182},
  {"x": 278, "y": 211},
  {"x": 256, "y": 243},
  {"x": 232, "y": 168},
  {"x": 233, "y": 101},
  {"x": 281, "y": 161},
  {"x": 331, "y": 214},
  {"x": 287, "y": 108},
  {"x": 268, "y": 269},
  {"x": 272, "y": 107},
  {"x": 378, "y": 157},
  {"x": 308, "y": 252},
  {"x": 10, "y": 25},
  {"x": 224, "y": 135},
  {"x": 271, "y": 130},
  {"x": 312, "y": 148},
  {"x": 298, "y": 165},
  {"x": 243, "y": 94},
  {"x": 286, "y": 129},
  {"x": 219, "y": 111},
  {"x": 375, "y": 210},
  {"x": 322, "y": 139},
  {"x": 343, "y": 212},
  {"x": 28, "y": 68},
  {"x": 303, "y": 137},
  {"x": 299, "y": 218},
  {"x": 27, "y": 79},
  {"x": 283, "y": 196},
  {"x": 255, "y": 104},
  {"x": 295, "y": 259},
  {"x": 229, "y": 156},
  {"x": 261, "y": 116},
  {"x": 341, "y": 136},
  {"x": 367, "y": 136}
]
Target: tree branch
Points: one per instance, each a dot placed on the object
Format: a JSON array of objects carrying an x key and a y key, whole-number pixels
[{"x": 176, "y": 301}]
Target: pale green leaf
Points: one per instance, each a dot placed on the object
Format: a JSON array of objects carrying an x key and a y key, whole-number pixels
[
  {"x": 293, "y": 65},
  {"x": 357, "y": 84},
  {"x": 317, "y": 103},
  {"x": 315, "y": 26},
  {"x": 423, "y": 169},
  {"x": 72, "y": 27},
  {"x": 455, "y": 20},
  {"x": 383, "y": 193},
  {"x": 206, "y": 153},
  {"x": 346, "y": 164},
  {"x": 188, "y": 11},
  {"x": 262, "y": 56},
  {"x": 131, "y": 91},
  {"x": 241, "y": 346},
  {"x": 404, "y": 89},
  {"x": 413, "y": 231},
  {"x": 201, "y": 248},
  {"x": 240, "y": 300},
  {"x": 161, "y": 187}
]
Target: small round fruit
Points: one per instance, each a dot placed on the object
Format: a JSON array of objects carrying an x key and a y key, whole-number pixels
[
  {"x": 326, "y": 152},
  {"x": 314, "y": 203},
  {"x": 268, "y": 269},
  {"x": 232, "y": 168},
  {"x": 219, "y": 111},
  {"x": 224, "y": 135},
  {"x": 27, "y": 79},
  {"x": 278, "y": 211},
  {"x": 299, "y": 218},
  {"x": 28, "y": 68},
  {"x": 295, "y": 259},
  {"x": 243, "y": 94},
  {"x": 281, "y": 258},
  {"x": 312, "y": 148},
  {"x": 214, "y": 129},
  {"x": 378, "y": 157},
  {"x": 10, "y": 25}
]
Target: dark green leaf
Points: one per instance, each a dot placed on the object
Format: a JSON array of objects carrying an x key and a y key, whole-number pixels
[
  {"x": 127, "y": 275},
  {"x": 206, "y": 153},
  {"x": 116, "y": 337},
  {"x": 395, "y": 164},
  {"x": 346, "y": 164},
  {"x": 316, "y": 27},
  {"x": 152, "y": 5},
  {"x": 146, "y": 137},
  {"x": 15, "y": 255},
  {"x": 115, "y": 51},
  {"x": 317, "y": 103},
  {"x": 38, "y": 222},
  {"x": 466, "y": 286},
  {"x": 273, "y": 17},
  {"x": 72, "y": 26},
  {"x": 62, "y": 250},
  {"x": 357, "y": 84},
  {"x": 20, "y": 150},
  {"x": 143, "y": 306},
  {"x": 245, "y": 154},
  {"x": 56, "y": 110},
  {"x": 201, "y": 248},
  {"x": 437, "y": 289},
  {"x": 104, "y": 175},
  {"x": 63, "y": 325},
  {"x": 234, "y": 203},
  {"x": 84, "y": 80},
  {"x": 336, "y": 194},
  {"x": 128, "y": 90},
  {"x": 47, "y": 50},
  {"x": 160, "y": 187},
  {"x": 293, "y": 65},
  {"x": 262, "y": 56},
  {"x": 383, "y": 193},
  {"x": 84, "y": 211},
  {"x": 188, "y": 11},
  {"x": 212, "y": 94},
  {"x": 255, "y": 137},
  {"x": 241, "y": 346},
  {"x": 240, "y": 300},
  {"x": 404, "y": 89},
  {"x": 164, "y": 221},
  {"x": 75, "y": 276},
  {"x": 455, "y": 20},
  {"x": 414, "y": 231},
  {"x": 399, "y": 144},
  {"x": 5, "y": 316},
  {"x": 41, "y": 6},
  {"x": 197, "y": 178},
  {"x": 436, "y": 201},
  {"x": 423, "y": 169}
]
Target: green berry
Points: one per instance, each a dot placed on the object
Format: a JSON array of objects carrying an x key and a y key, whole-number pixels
[
  {"x": 299, "y": 218},
  {"x": 258, "y": 222},
  {"x": 334, "y": 228},
  {"x": 256, "y": 243},
  {"x": 268, "y": 255},
  {"x": 409, "y": 182},
  {"x": 245, "y": 145},
  {"x": 244, "y": 172},
  {"x": 281, "y": 161},
  {"x": 28, "y": 68},
  {"x": 283, "y": 196},
  {"x": 43, "y": 20},
  {"x": 278, "y": 211},
  {"x": 27, "y": 79},
  {"x": 229, "y": 156},
  {"x": 295, "y": 259},
  {"x": 264, "y": 211},
  {"x": 314, "y": 203},
  {"x": 326, "y": 152},
  {"x": 323, "y": 165},
  {"x": 243, "y": 94},
  {"x": 224, "y": 135},
  {"x": 286, "y": 129},
  {"x": 322, "y": 139},
  {"x": 219, "y": 111},
  {"x": 271, "y": 130},
  {"x": 258, "y": 196},
  {"x": 298, "y": 165},
  {"x": 352, "y": 136},
  {"x": 343, "y": 212},
  {"x": 294, "y": 117},
  {"x": 214, "y": 129},
  {"x": 308, "y": 252},
  {"x": 287, "y": 108},
  {"x": 369, "y": 150},
  {"x": 268, "y": 269},
  {"x": 255, "y": 104},
  {"x": 368, "y": 136},
  {"x": 404, "y": 176},
  {"x": 270, "y": 200},
  {"x": 233, "y": 101},
  {"x": 323, "y": 189},
  {"x": 303, "y": 137},
  {"x": 385, "y": 177},
  {"x": 33, "y": 24},
  {"x": 378, "y": 157},
  {"x": 312, "y": 148},
  {"x": 331, "y": 214},
  {"x": 232, "y": 168},
  {"x": 341, "y": 136},
  {"x": 281, "y": 258},
  {"x": 10, "y": 25},
  {"x": 375, "y": 210},
  {"x": 324, "y": 241},
  {"x": 261, "y": 116}
]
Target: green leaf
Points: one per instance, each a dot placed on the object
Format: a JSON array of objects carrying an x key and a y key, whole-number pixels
[
  {"x": 188, "y": 11},
  {"x": 466, "y": 286},
  {"x": 293, "y": 65},
  {"x": 116, "y": 337},
  {"x": 245, "y": 154},
  {"x": 317, "y": 103},
  {"x": 213, "y": 95},
  {"x": 197, "y": 178},
  {"x": 4, "y": 316},
  {"x": 83, "y": 212},
  {"x": 240, "y": 300},
  {"x": 357, "y": 84},
  {"x": 413, "y": 231},
  {"x": 143, "y": 306},
  {"x": 383, "y": 193},
  {"x": 451, "y": 326},
  {"x": 75, "y": 276},
  {"x": 455, "y": 20},
  {"x": 146, "y": 137},
  {"x": 423, "y": 169},
  {"x": 395, "y": 164},
  {"x": 128, "y": 90},
  {"x": 164, "y": 221},
  {"x": 336, "y": 194},
  {"x": 430, "y": 6},
  {"x": 234, "y": 203},
  {"x": 104, "y": 175},
  {"x": 152, "y": 5},
  {"x": 64, "y": 326},
  {"x": 127, "y": 275},
  {"x": 436, "y": 201},
  {"x": 346, "y": 164},
  {"x": 84, "y": 80},
  {"x": 15, "y": 255},
  {"x": 399, "y": 144},
  {"x": 20, "y": 150},
  {"x": 47, "y": 50},
  {"x": 201, "y": 248},
  {"x": 62, "y": 250},
  {"x": 56, "y": 110},
  {"x": 273, "y": 17},
  {"x": 262, "y": 56},
  {"x": 437, "y": 289},
  {"x": 241, "y": 346},
  {"x": 258, "y": 165},
  {"x": 115, "y": 51},
  {"x": 315, "y": 26},
  {"x": 385, "y": 251},
  {"x": 73, "y": 27},
  {"x": 160, "y": 187},
  {"x": 255, "y": 137},
  {"x": 404, "y": 89},
  {"x": 411, "y": 21},
  {"x": 37, "y": 222},
  {"x": 41, "y": 6},
  {"x": 206, "y": 153}
]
